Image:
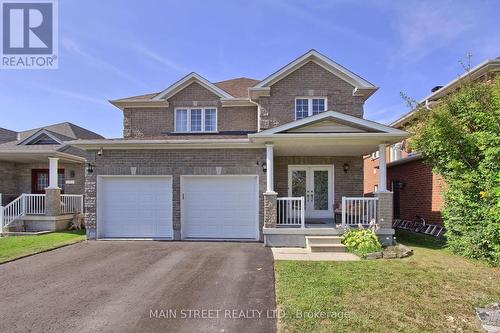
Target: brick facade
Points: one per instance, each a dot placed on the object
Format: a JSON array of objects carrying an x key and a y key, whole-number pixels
[
  {"x": 309, "y": 80},
  {"x": 420, "y": 192},
  {"x": 153, "y": 122},
  {"x": 174, "y": 163}
]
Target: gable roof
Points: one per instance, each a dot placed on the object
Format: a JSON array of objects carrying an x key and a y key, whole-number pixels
[
  {"x": 237, "y": 87},
  {"x": 186, "y": 81},
  {"x": 69, "y": 130},
  {"x": 354, "y": 122},
  {"x": 361, "y": 86}
]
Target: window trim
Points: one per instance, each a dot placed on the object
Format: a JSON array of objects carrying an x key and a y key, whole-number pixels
[
  {"x": 309, "y": 105},
  {"x": 188, "y": 127}
]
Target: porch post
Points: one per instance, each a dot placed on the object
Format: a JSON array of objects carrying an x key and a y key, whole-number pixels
[
  {"x": 53, "y": 192},
  {"x": 382, "y": 180},
  {"x": 53, "y": 162},
  {"x": 270, "y": 168}
]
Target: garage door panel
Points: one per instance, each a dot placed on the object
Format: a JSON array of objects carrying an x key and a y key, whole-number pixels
[
  {"x": 135, "y": 207},
  {"x": 220, "y": 207}
]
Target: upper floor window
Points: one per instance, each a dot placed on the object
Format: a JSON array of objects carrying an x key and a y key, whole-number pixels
[
  {"x": 375, "y": 155},
  {"x": 309, "y": 106},
  {"x": 196, "y": 119}
]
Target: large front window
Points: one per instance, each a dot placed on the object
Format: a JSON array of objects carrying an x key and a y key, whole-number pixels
[
  {"x": 196, "y": 120},
  {"x": 309, "y": 106}
]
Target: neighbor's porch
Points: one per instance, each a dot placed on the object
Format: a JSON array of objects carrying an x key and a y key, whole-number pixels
[{"x": 32, "y": 193}]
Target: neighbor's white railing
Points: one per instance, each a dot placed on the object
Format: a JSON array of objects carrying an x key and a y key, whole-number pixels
[
  {"x": 71, "y": 203},
  {"x": 12, "y": 211},
  {"x": 291, "y": 211},
  {"x": 357, "y": 211},
  {"x": 34, "y": 204}
]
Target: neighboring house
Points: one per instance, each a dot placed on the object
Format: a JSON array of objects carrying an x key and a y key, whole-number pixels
[
  {"x": 417, "y": 190},
  {"x": 24, "y": 164},
  {"x": 267, "y": 160}
]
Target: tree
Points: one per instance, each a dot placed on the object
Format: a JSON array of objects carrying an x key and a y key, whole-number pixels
[{"x": 460, "y": 138}]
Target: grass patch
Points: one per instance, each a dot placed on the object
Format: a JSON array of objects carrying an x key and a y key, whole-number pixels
[
  {"x": 431, "y": 291},
  {"x": 19, "y": 246}
]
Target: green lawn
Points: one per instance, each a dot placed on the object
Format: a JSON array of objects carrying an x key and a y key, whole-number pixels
[
  {"x": 432, "y": 291},
  {"x": 19, "y": 246}
]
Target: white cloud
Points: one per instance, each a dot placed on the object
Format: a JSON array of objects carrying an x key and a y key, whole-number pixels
[
  {"x": 168, "y": 63},
  {"x": 424, "y": 26},
  {"x": 73, "y": 47}
]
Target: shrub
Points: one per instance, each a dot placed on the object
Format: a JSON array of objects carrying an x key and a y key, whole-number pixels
[
  {"x": 361, "y": 241},
  {"x": 460, "y": 139}
]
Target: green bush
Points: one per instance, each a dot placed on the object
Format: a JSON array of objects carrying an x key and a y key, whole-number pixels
[
  {"x": 460, "y": 139},
  {"x": 361, "y": 241}
]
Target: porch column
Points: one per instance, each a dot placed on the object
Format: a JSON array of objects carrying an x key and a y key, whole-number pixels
[
  {"x": 382, "y": 180},
  {"x": 53, "y": 166},
  {"x": 270, "y": 168},
  {"x": 53, "y": 192}
]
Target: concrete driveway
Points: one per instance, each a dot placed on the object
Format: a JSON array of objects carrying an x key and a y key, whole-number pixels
[{"x": 140, "y": 286}]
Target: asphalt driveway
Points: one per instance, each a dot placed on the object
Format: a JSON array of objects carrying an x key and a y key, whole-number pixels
[{"x": 140, "y": 286}]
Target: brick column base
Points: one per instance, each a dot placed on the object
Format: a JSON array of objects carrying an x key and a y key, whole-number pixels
[
  {"x": 385, "y": 212},
  {"x": 52, "y": 201},
  {"x": 270, "y": 210}
]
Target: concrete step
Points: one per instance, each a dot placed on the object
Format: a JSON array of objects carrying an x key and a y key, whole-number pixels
[
  {"x": 312, "y": 240},
  {"x": 328, "y": 248}
]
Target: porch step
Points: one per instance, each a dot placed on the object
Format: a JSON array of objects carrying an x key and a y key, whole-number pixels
[
  {"x": 328, "y": 248},
  {"x": 313, "y": 240}
]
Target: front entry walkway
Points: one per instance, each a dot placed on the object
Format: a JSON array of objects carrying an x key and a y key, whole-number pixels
[{"x": 140, "y": 286}]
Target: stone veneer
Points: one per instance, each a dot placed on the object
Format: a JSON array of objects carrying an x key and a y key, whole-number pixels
[{"x": 173, "y": 162}]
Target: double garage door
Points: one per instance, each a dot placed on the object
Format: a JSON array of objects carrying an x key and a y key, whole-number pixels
[{"x": 218, "y": 207}]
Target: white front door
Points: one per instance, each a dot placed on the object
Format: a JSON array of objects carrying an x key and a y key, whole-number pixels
[{"x": 315, "y": 184}]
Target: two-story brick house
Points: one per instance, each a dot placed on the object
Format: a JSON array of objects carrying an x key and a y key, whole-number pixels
[{"x": 267, "y": 160}]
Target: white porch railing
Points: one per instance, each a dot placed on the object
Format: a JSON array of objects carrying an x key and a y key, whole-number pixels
[
  {"x": 71, "y": 203},
  {"x": 291, "y": 212},
  {"x": 357, "y": 211},
  {"x": 12, "y": 211}
]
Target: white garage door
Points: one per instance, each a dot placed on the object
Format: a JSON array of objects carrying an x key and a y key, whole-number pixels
[
  {"x": 137, "y": 207},
  {"x": 221, "y": 207}
]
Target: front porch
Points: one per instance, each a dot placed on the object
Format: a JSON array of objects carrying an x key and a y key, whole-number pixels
[{"x": 310, "y": 196}]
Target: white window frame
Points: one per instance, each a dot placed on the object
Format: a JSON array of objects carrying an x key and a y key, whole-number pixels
[
  {"x": 188, "y": 129},
  {"x": 375, "y": 155},
  {"x": 309, "y": 104}
]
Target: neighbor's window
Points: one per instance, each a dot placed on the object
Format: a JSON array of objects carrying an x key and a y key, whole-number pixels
[
  {"x": 305, "y": 107},
  {"x": 196, "y": 120}
]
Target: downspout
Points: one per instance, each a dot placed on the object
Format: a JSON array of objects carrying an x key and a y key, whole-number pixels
[{"x": 258, "y": 111}]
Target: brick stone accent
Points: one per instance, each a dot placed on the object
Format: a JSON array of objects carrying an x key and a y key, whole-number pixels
[
  {"x": 348, "y": 183},
  {"x": 384, "y": 211},
  {"x": 309, "y": 80},
  {"x": 154, "y": 122},
  {"x": 53, "y": 202},
  {"x": 270, "y": 210},
  {"x": 175, "y": 163},
  {"x": 8, "y": 183}
]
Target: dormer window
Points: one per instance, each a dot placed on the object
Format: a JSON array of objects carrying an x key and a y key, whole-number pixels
[
  {"x": 309, "y": 106},
  {"x": 196, "y": 120}
]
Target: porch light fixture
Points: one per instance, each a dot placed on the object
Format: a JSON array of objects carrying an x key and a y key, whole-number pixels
[
  {"x": 90, "y": 168},
  {"x": 346, "y": 167},
  {"x": 264, "y": 167}
]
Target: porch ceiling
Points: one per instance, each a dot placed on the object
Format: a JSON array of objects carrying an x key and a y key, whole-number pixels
[
  {"x": 324, "y": 145},
  {"x": 32, "y": 157}
]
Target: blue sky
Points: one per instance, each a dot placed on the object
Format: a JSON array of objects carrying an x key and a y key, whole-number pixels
[{"x": 113, "y": 49}]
